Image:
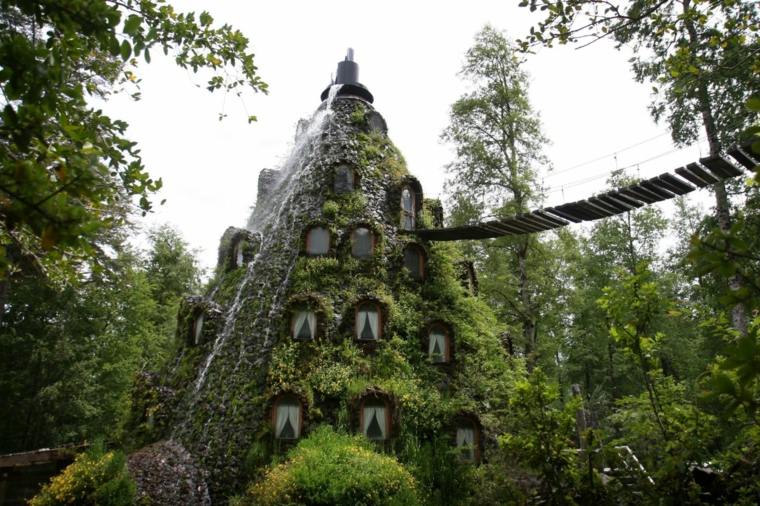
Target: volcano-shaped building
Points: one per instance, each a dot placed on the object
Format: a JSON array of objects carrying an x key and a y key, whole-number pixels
[{"x": 329, "y": 310}]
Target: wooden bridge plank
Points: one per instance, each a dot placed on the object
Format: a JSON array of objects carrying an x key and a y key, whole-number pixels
[
  {"x": 744, "y": 158},
  {"x": 562, "y": 214},
  {"x": 558, "y": 221},
  {"x": 721, "y": 167},
  {"x": 686, "y": 174},
  {"x": 701, "y": 173},
  {"x": 675, "y": 184},
  {"x": 653, "y": 187},
  {"x": 639, "y": 194},
  {"x": 610, "y": 207},
  {"x": 584, "y": 214},
  {"x": 618, "y": 207},
  {"x": 617, "y": 196},
  {"x": 520, "y": 221},
  {"x": 509, "y": 225},
  {"x": 544, "y": 224}
]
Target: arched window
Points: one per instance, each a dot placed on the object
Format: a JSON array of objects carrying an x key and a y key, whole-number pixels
[
  {"x": 345, "y": 179},
  {"x": 303, "y": 324},
  {"x": 414, "y": 261},
  {"x": 407, "y": 209},
  {"x": 198, "y": 328},
  {"x": 467, "y": 440},
  {"x": 439, "y": 344},
  {"x": 375, "y": 419},
  {"x": 238, "y": 253},
  {"x": 369, "y": 321},
  {"x": 287, "y": 417},
  {"x": 317, "y": 241},
  {"x": 362, "y": 242}
]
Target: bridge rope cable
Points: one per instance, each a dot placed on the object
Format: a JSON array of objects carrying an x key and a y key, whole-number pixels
[{"x": 552, "y": 173}]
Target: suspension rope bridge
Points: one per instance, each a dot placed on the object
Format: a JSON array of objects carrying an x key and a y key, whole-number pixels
[{"x": 706, "y": 172}]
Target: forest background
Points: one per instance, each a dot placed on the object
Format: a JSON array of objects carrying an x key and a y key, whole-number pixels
[{"x": 662, "y": 345}]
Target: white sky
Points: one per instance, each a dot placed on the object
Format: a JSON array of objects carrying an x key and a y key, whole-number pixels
[{"x": 409, "y": 54}]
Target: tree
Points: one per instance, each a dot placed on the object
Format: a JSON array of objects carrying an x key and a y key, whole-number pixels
[
  {"x": 702, "y": 57},
  {"x": 67, "y": 171},
  {"x": 498, "y": 142},
  {"x": 70, "y": 352}
]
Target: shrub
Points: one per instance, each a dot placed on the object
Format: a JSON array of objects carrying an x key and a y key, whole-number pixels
[
  {"x": 95, "y": 478},
  {"x": 329, "y": 468}
]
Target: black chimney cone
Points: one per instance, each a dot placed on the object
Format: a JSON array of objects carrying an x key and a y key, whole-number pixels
[{"x": 348, "y": 76}]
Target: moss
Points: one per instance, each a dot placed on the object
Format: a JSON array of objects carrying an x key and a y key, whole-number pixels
[
  {"x": 359, "y": 115},
  {"x": 229, "y": 420},
  {"x": 330, "y": 209}
]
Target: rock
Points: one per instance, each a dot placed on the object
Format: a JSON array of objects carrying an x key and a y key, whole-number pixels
[{"x": 165, "y": 474}]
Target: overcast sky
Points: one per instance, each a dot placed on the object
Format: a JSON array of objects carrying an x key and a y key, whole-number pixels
[{"x": 409, "y": 54}]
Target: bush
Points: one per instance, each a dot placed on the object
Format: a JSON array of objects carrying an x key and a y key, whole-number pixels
[
  {"x": 329, "y": 468},
  {"x": 95, "y": 478}
]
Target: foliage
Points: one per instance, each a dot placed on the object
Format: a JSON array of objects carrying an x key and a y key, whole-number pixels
[
  {"x": 542, "y": 438},
  {"x": 735, "y": 377},
  {"x": 330, "y": 468},
  {"x": 96, "y": 477},
  {"x": 498, "y": 141},
  {"x": 68, "y": 171},
  {"x": 71, "y": 352},
  {"x": 496, "y": 133},
  {"x": 695, "y": 52}
]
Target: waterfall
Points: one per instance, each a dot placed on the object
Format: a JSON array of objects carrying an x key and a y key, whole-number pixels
[{"x": 281, "y": 204}]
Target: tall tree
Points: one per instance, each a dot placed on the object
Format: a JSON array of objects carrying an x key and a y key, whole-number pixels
[
  {"x": 67, "y": 171},
  {"x": 701, "y": 56},
  {"x": 498, "y": 142},
  {"x": 70, "y": 352}
]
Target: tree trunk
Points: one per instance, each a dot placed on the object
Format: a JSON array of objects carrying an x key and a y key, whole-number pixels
[
  {"x": 722, "y": 204},
  {"x": 529, "y": 324}
]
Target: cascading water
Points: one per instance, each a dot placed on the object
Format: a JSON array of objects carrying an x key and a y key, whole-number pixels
[{"x": 281, "y": 200}]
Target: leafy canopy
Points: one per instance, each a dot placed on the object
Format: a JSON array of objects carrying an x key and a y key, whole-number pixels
[{"x": 67, "y": 171}]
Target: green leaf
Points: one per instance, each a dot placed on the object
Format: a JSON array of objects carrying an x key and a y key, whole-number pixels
[
  {"x": 205, "y": 19},
  {"x": 753, "y": 104},
  {"x": 125, "y": 50},
  {"x": 132, "y": 24}
]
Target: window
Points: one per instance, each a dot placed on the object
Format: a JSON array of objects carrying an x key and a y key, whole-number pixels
[
  {"x": 198, "y": 329},
  {"x": 414, "y": 261},
  {"x": 317, "y": 241},
  {"x": 238, "y": 253},
  {"x": 287, "y": 417},
  {"x": 368, "y": 321},
  {"x": 375, "y": 419},
  {"x": 362, "y": 242},
  {"x": 407, "y": 209},
  {"x": 466, "y": 441},
  {"x": 439, "y": 345},
  {"x": 344, "y": 179},
  {"x": 303, "y": 324}
]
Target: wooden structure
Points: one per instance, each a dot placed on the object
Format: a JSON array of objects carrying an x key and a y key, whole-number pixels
[
  {"x": 686, "y": 179},
  {"x": 23, "y": 474}
]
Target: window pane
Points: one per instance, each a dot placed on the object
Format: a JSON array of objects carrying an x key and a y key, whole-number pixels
[
  {"x": 318, "y": 241},
  {"x": 367, "y": 322},
  {"x": 344, "y": 179},
  {"x": 407, "y": 201},
  {"x": 375, "y": 426},
  {"x": 413, "y": 261},
  {"x": 466, "y": 443},
  {"x": 303, "y": 325},
  {"x": 288, "y": 420},
  {"x": 437, "y": 346},
  {"x": 361, "y": 242},
  {"x": 407, "y": 209}
]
